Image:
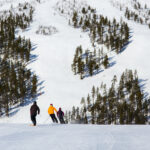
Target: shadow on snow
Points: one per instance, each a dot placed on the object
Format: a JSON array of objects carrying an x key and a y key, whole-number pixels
[
  {"x": 28, "y": 99},
  {"x": 111, "y": 60}
]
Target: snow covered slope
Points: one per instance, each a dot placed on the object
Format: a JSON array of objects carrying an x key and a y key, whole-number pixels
[
  {"x": 74, "y": 137},
  {"x": 55, "y": 55}
]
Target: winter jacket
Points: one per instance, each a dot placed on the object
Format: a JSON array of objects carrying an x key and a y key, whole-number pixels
[
  {"x": 34, "y": 110},
  {"x": 51, "y": 110},
  {"x": 60, "y": 113}
]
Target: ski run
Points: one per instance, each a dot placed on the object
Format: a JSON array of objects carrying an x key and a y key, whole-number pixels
[{"x": 62, "y": 88}]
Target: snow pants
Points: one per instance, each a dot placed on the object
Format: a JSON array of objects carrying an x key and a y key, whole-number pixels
[
  {"x": 61, "y": 119},
  {"x": 54, "y": 118},
  {"x": 33, "y": 119}
]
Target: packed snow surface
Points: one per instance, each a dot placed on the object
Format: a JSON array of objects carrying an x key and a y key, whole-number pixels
[
  {"x": 73, "y": 137},
  {"x": 63, "y": 89},
  {"x": 55, "y": 56}
]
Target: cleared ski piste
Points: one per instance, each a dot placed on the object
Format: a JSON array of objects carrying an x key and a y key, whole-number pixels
[{"x": 74, "y": 137}]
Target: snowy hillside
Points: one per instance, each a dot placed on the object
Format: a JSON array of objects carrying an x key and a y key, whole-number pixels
[
  {"x": 73, "y": 137},
  {"x": 56, "y": 51}
]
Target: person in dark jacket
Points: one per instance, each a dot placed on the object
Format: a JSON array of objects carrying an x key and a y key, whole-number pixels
[
  {"x": 33, "y": 111},
  {"x": 60, "y": 115}
]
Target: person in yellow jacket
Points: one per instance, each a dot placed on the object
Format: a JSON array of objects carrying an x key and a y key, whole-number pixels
[{"x": 51, "y": 110}]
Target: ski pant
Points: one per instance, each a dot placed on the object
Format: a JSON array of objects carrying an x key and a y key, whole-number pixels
[
  {"x": 33, "y": 119},
  {"x": 61, "y": 119},
  {"x": 54, "y": 118}
]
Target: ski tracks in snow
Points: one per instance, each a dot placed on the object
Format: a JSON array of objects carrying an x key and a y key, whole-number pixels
[{"x": 74, "y": 137}]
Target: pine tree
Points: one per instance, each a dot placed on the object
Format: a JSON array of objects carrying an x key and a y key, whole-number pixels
[
  {"x": 84, "y": 10},
  {"x": 34, "y": 86},
  {"x": 73, "y": 114},
  {"x": 106, "y": 62},
  {"x": 75, "y": 19}
]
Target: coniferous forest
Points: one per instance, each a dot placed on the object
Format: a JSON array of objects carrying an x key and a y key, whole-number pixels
[
  {"x": 137, "y": 12},
  {"x": 106, "y": 36},
  {"x": 124, "y": 102},
  {"x": 112, "y": 35},
  {"x": 18, "y": 84}
]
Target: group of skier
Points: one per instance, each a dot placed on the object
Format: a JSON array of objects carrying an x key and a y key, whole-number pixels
[{"x": 34, "y": 110}]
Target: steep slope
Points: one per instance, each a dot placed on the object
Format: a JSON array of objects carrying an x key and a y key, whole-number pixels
[{"x": 55, "y": 55}]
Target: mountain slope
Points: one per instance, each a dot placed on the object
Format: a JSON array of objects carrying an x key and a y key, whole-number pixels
[{"x": 55, "y": 55}]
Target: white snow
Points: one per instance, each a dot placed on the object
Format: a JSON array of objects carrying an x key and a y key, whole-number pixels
[
  {"x": 55, "y": 55},
  {"x": 73, "y": 137},
  {"x": 63, "y": 89}
]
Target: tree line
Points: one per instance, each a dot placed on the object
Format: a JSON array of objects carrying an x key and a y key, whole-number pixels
[
  {"x": 111, "y": 35},
  {"x": 123, "y": 103},
  {"x": 89, "y": 63},
  {"x": 136, "y": 16},
  {"x": 106, "y": 36},
  {"x": 18, "y": 84},
  {"x": 114, "y": 35},
  {"x": 137, "y": 12}
]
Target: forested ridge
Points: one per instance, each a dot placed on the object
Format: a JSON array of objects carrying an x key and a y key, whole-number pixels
[
  {"x": 125, "y": 102},
  {"x": 18, "y": 84},
  {"x": 106, "y": 36}
]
